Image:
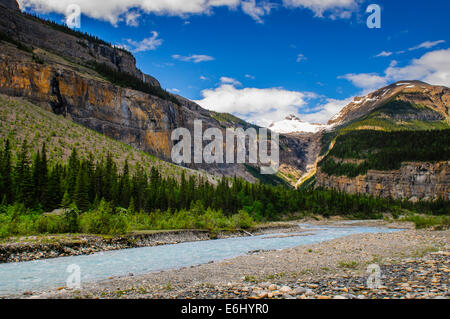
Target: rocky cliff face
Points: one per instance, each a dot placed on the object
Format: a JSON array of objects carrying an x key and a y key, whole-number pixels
[
  {"x": 11, "y": 4},
  {"x": 414, "y": 181},
  {"x": 133, "y": 117},
  {"x": 33, "y": 32}
]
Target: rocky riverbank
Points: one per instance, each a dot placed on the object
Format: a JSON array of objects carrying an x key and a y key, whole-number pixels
[
  {"x": 52, "y": 246},
  {"x": 413, "y": 264}
]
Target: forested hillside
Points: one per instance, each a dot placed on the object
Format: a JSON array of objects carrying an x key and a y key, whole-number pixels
[
  {"x": 384, "y": 151},
  {"x": 96, "y": 197}
]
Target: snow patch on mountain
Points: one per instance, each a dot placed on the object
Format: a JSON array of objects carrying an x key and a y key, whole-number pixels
[{"x": 292, "y": 124}]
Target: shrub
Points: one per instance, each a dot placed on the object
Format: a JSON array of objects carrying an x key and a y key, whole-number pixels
[
  {"x": 243, "y": 220},
  {"x": 102, "y": 220}
]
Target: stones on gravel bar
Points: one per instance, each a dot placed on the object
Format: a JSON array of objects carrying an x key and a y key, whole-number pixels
[
  {"x": 285, "y": 289},
  {"x": 299, "y": 291},
  {"x": 273, "y": 287}
]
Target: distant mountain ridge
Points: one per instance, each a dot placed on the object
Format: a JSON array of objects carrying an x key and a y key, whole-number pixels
[
  {"x": 394, "y": 142},
  {"x": 436, "y": 98}
]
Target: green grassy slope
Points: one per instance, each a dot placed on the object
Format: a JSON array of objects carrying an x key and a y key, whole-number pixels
[{"x": 21, "y": 120}]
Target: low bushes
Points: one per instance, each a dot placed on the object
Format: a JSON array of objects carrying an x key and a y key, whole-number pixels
[{"x": 105, "y": 220}]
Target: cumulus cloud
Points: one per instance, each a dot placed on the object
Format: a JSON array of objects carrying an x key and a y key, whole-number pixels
[
  {"x": 433, "y": 68},
  {"x": 324, "y": 112},
  {"x": 148, "y": 44},
  {"x": 195, "y": 58},
  {"x": 115, "y": 11},
  {"x": 337, "y": 8},
  {"x": 260, "y": 106},
  {"x": 366, "y": 81}
]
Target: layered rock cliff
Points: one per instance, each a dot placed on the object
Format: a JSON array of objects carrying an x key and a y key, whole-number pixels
[
  {"x": 414, "y": 181},
  {"x": 34, "y": 32}
]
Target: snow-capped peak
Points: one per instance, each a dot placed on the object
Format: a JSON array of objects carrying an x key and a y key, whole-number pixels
[{"x": 292, "y": 124}]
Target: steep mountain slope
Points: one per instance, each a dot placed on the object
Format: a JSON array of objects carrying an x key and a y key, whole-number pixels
[
  {"x": 394, "y": 142},
  {"x": 436, "y": 98},
  {"x": 97, "y": 85},
  {"x": 21, "y": 120}
]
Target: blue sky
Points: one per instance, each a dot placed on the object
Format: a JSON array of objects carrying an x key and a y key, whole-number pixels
[{"x": 263, "y": 60}]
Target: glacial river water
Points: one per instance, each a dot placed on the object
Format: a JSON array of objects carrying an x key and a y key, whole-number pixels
[{"x": 16, "y": 278}]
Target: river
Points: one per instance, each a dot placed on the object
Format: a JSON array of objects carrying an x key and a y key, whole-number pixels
[{"x": 40, "y": 275}]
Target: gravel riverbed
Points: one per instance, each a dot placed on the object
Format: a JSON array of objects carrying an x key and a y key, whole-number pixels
[{"x": 413, "y": 264}]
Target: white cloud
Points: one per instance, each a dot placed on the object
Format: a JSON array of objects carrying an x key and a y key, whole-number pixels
[
  {"x": 427, "y": 45},
  {"x": 115, "y": 11},
  {"x": 227, "y": 80},
  {"x": 174, "y": 90},
  {"x": 256, "y": 11},
  {"x": 368, "y": 81},
  {"x": 266, "y": 106},
  {"x": 260, "y": 106},
  {"x": 301, "y": 58},
  {"x": 148, "y": 44},
  {"x": 132, "y": 18},
  {"x": 433, "y": 68},
  {"x": 248, "y": 76},
  {"x": 337, "y": 8},
  {"x": 384, "y": 54},
  {"x": 204, "y": 78},
  {"x": 323, "y": 113},
  {"x": 195, "y": 58}
]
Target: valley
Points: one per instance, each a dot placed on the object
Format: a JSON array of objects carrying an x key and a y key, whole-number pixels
[{"x": 88, "y": 177}]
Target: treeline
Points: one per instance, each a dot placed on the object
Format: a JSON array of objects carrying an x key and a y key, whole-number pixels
[
  {"x": 100, "y": 198},
  {"x": 385, "y": 150},
  {"x": 64, "y": 28},
  {"x": 127, "y": 80}
]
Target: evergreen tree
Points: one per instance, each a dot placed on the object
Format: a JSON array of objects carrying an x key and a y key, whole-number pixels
[
  {"x": 6, "y": 187},
  {"x": 81, "y": 194},
  {"x": 23, "y": 178},
  {"x": 72, "y": 172},
  {"x": 53, "y": 196},
  {"x": 66, "y": 201}
]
